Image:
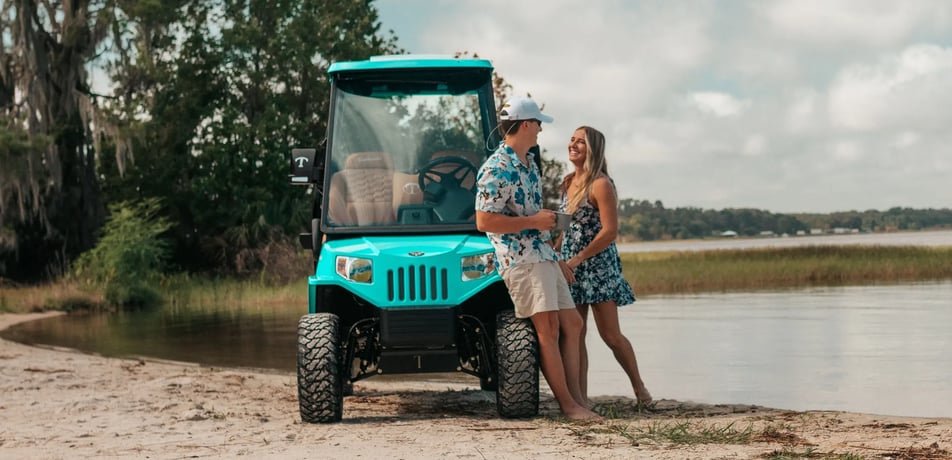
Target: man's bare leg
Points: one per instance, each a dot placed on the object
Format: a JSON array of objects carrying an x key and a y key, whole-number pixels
[
  {"x": 570, "y": 330},
  {"x": 547, "y": 328},
  {"x": 583, "y": 355}
]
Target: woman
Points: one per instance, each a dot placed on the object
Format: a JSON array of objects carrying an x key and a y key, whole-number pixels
[{"x": 588, "y": 247}]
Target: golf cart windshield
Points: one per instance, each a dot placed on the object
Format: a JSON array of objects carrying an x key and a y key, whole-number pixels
[{"x": 404, "y": 148}]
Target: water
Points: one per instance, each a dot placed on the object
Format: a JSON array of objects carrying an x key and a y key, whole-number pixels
[
  {"x": 263, "y": 338},
  {"x": 925, "y": 238},
  {"x": 883, "y": 350}
]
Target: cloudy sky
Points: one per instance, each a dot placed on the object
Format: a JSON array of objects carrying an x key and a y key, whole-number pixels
[{"x": 788, "y": 106}]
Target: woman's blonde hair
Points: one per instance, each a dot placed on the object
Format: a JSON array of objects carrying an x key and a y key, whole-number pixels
[{"x": 595, "y": 167}]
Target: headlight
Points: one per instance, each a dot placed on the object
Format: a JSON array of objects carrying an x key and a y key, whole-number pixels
[
  {"x": 355, "y": 269},
  {"x": 478, "y": 266}
]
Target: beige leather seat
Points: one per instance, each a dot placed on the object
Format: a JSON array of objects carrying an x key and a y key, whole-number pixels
[{"x": 362, "y": 192}]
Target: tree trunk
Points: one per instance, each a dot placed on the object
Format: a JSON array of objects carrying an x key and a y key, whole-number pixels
[{"x": 63, "y": 210}]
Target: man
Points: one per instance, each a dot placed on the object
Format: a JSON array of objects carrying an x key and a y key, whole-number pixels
[{"x": 509, "y": 209}]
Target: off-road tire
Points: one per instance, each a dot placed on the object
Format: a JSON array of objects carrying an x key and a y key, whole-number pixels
[
  {"x": 517, "y": 357},
  {"x": 320, "y": 387}
]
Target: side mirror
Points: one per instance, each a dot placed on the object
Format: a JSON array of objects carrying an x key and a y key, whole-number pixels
[
  {"x": 302, "y": 166},
  {"x": 307, "y": 165}
]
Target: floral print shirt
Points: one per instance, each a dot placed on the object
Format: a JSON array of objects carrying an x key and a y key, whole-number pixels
[{"x": 507, "y": 186}]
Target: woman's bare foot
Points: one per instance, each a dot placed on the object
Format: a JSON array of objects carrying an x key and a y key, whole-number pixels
[{"x": 644, "y": 397}]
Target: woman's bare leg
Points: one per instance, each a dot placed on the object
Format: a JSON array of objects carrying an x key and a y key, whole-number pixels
[{"x": 606, "y": 319}]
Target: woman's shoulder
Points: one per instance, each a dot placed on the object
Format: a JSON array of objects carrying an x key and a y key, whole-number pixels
[
  {"x": 603, "y": 182},
  {"x": 603, "y": 188}
]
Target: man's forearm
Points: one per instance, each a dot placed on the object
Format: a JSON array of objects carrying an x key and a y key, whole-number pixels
[{"x": 501, "y": 223}]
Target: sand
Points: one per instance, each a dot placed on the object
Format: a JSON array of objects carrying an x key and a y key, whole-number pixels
[{"x": 57, "y": 403}]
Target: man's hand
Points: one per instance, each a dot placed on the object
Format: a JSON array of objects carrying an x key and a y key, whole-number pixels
[{"x": 544, "y": 220}]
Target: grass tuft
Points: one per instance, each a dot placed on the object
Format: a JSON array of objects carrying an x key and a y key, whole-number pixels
[
  {"x": 680, "y": 433},
  {"x": 792, "y": 454}
]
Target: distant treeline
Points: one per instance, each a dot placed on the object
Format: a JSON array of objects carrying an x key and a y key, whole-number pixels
[{"x": 643, "y": 220}]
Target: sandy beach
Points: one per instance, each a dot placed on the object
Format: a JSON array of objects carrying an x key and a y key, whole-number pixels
[{"x": 66, "y": 404}]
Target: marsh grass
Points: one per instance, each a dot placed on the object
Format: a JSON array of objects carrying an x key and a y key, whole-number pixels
[
  {"x": 59, "y": 295},
  {"x": 218, "y": 293},
  {"x": 178, "y": 291},
  {"x": 778, "y": 268},
  {"x": 654, "y": 273}
]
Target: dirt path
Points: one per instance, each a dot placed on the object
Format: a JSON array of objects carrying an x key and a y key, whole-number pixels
[{"x": 64, "y": 404}]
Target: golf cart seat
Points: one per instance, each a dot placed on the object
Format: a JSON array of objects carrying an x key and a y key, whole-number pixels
[{"x": 362, "y": 192}]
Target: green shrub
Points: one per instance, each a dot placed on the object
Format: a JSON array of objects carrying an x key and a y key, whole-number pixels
[{"x": 129, "y": 257}]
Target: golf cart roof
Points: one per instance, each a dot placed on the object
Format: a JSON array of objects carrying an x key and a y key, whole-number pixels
[{"x": 409, "y": 61}]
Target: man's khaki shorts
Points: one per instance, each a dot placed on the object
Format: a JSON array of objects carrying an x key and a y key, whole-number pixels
[{"x": 536, "y": 288}]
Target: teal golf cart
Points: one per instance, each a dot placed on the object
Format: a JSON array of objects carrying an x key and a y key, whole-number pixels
[{"x": 404, "y": 283}]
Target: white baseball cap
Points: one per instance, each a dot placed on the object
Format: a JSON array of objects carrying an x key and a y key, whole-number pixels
[{"x": 522, "y": 108}]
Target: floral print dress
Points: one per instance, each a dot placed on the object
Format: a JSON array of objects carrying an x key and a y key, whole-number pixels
[{"x": 598, "y": 278}]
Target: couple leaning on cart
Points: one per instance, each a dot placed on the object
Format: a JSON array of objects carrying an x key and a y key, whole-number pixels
[{"x": 556, "y": 283}]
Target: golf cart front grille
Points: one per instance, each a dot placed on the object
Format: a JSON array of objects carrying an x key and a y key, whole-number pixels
[{"x": 417, "y": 282}]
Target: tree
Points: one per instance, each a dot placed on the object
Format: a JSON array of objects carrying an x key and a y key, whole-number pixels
[
  {"x": 49, "y": 196},
  {"x": 227, "y": 98}
]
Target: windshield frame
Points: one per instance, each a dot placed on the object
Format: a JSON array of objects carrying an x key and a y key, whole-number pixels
[{"x": 483, "y": 91}]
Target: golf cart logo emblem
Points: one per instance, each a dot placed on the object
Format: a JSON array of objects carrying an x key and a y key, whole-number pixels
[
  {"x": 415, "y": 253},
  {"x": 411, "y": 188},
  {"x": 300, "y": 161}
]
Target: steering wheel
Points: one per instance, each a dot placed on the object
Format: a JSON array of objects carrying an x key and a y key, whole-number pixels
[{"x": 443, "y": 188}]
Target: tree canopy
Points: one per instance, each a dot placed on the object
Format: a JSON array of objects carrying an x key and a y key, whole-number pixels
[
  {"x": 207, "y": 98},
  {"x": 202, "y": 103}
]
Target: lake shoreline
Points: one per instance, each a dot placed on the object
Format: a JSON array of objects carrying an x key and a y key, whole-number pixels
[{"x": 66, "y": 404}]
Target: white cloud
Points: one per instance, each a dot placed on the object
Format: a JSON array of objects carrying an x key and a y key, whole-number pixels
[
  {"x": 845, "y": 151},
  {"x": 802, "y": 112},
  {"x": 864, "y": 23},
  {"x": 755, "y": 145},
  {"x": 718, "y": 104},
  {"x": 911, "y": 89},
  {"x": 797, "y": 105},
  {"x": 906, "y": 139}
]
